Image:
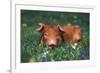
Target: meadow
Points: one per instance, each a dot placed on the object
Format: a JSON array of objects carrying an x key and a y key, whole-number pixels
[{"x": 32, "y": 51}]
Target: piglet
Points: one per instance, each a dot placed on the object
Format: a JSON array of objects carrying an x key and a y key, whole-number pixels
[
  {"x": 71, "y": 34},
  {"x": 51, "y": 35}
]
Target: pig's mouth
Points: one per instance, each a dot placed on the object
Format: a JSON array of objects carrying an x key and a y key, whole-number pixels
[{"x": 52, "y": 46}]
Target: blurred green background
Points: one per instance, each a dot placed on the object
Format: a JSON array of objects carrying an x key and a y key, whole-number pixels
[{"x": 31, "y": 51}]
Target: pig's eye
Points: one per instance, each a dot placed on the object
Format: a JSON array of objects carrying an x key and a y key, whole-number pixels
[
  {"x": 45, "y": 34},
  {"x": 57, "y": 34},
  {"x": 57, "y": 39}
]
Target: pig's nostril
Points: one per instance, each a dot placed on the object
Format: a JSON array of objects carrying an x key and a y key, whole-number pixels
[{"x": 79, "y": 40}]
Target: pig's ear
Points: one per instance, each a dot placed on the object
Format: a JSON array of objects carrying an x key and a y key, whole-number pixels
[
  {"x": 40, "y": 29},
  {"x": 60, "y": 28}
]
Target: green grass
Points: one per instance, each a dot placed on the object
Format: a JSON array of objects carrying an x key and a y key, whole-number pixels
[{"x": 33, "y": 51}]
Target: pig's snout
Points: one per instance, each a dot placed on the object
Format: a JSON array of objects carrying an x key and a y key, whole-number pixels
[{"x": 52, "y": 43}]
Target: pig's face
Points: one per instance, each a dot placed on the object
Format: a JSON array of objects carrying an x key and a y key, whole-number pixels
[
  {"x": 77, "y": 34},
  {"x": 51, "y": 35}
]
